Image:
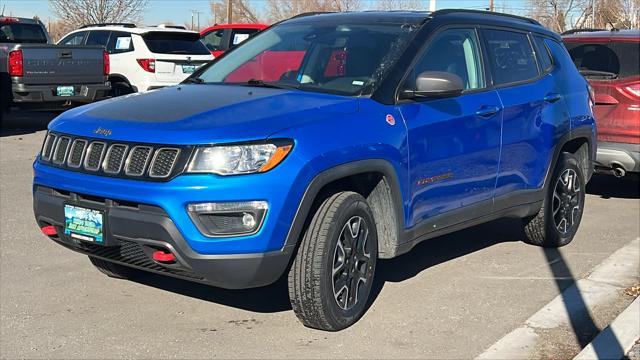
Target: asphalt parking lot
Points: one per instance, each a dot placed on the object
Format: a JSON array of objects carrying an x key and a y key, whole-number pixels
[{"x": 451, "y": 297}]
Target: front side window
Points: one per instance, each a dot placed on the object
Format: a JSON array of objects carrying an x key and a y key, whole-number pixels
[
  {"x": 74, "y": 39},
  {"x": 455, "y": 51},
  {"x": 346, "y": 59},
  {"x": 511, "y": 57}
]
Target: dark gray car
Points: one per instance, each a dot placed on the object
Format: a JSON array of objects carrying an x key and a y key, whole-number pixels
[{"x": 35, "y": 73}]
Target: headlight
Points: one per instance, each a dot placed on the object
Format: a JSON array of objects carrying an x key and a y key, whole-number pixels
[{"x": 238, "y": 159}]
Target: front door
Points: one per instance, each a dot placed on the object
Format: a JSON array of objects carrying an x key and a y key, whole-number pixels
[{"x": 454, "y": 143}]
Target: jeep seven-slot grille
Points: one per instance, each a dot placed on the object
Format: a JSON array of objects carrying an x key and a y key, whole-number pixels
[{"x": 137, "y": 161}]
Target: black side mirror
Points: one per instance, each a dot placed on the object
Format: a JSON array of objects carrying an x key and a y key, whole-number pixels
[{"x": 435, "y": 84}]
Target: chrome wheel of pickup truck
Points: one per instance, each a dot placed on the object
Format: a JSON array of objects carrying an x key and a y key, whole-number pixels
[{"x": 332, "y": 275}]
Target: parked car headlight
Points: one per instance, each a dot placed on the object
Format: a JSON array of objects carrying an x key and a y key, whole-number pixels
[{"x": 238, "y": 159}]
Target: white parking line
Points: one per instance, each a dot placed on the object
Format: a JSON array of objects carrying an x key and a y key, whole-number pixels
[{"x": 616, "y": 272}]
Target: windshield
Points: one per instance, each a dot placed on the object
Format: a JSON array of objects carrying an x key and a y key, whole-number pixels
[
  {"x": 22, "y": 33},
  {"x": 342, "y": 59},
  {"x": 175, "y": 43}
]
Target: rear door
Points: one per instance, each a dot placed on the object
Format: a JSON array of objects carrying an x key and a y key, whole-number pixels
[
  {"x": 119, "y": 47},
  {"x": 177, "y": 54},
  {"x": 454, "y": 143},
  {"x": 535, "y": 114}
]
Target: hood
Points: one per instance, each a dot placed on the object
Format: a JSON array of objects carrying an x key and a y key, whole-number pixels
[{"x": 201, "y": 114}]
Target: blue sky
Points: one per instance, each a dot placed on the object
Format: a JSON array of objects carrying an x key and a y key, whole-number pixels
[{"x": 178, "y": 11}]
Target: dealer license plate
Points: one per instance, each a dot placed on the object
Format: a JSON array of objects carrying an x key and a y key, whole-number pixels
[
  {"x": 83, "y": 224},
  {"x": 65, "y": 91}
]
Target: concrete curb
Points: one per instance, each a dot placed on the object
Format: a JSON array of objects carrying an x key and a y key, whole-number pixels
[
  {"x": 616, "y": 339},
  {"x": 618, "y": 271}
]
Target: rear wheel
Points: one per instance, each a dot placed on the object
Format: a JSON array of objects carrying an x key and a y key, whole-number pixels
[
  {"x": 112, "y": 269},
  {"x": 120, "y": 88},
  {"x": 332, "y": 274},
  {"x": 559, "y": 218}
]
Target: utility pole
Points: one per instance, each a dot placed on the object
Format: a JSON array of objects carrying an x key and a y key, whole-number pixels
[
  {"x": 593, "y": 14},
  {"x": 229, "y": 12},
  {"x": 432, "y": 5},
  {"x": 490, "y": 5}
]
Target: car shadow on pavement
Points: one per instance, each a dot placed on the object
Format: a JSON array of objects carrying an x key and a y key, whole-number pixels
[
  {"x": 275, "y": 297},
  {"x": 25, "y": 122},
  {"x": 582, "y": 323},
  {"x": 609, "y": 186}
]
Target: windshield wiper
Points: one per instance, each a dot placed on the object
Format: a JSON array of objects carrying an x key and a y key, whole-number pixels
[
  {"x": 604, "y": 74},
  {"x": 193, "y": 80},
  {"x": 273, "y": 85}
]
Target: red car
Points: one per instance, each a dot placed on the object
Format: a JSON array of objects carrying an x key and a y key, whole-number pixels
[
  {"x": 222, "y": 37},
  {"x": 609, "y": 61}
]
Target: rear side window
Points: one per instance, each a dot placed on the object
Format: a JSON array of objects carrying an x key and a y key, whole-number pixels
[
  {"x": 119, "y": 42},
  {"x": 22, "y": 33},
  {"x": 544, "y": 56},
  {"x": 608, "y": 60},
  {"x": 511, "y": 57},
  {"x": 98, "y": 38},
  {"x": 240, "y": 35},
  {"x": 213, "y": 40},
  {"x": 175, "y": 43},
  {"x": 74, "y": 39}
]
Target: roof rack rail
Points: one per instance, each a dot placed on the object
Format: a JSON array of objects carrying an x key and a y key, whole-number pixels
[
  {"x": 511, "y": 16},
  {"x": 575, "y": 31},
  {"x": 311, "y": 13},
  {"x": 167, "y": 26},
  {"x": 127, "y": 25}
]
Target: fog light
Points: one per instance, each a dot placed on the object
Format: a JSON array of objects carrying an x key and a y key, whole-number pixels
[
  {"x": 248, "y": 221},
  {"x": 228, "y": 218}
]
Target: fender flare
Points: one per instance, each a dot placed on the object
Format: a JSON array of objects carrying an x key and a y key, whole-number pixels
[{"x": 339, "y": 172}]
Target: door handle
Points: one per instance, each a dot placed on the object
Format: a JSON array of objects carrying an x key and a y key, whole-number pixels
[
  {"x": 487, "y": 111},
  {"x": 551, "y": 98}
]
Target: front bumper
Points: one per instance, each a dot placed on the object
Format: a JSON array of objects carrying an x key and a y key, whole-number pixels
[
  {"x": 137, "y": 230},
  {"x": 611, "y": 155},
  {"x": 30, "y": 94}
]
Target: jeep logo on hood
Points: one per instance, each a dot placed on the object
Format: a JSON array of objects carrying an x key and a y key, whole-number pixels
[{"x": 101, "y": 131}]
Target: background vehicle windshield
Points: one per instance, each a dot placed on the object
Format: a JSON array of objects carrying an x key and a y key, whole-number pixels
[
  {"x": 22, "y": 33},
  {"x": 342, "y": 59},
  {"x": 175, "y": 43}
]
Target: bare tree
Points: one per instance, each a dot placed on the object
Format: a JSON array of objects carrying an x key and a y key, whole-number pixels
[
  {"x": 560, "y": 15},
  {"x": 241, "y": 12},
  {"x": 398, "y": 5},
  {"x": 81, "y": 12},
  {"x": 57, "y": 29},
  {"x": 283, "y": 9}
]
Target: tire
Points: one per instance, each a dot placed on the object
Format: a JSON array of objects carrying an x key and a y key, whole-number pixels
[
  {"x": 120, "y": 88},
  {"x": 113, "y": 270},
  {"x": 564, "y": 200},
  {"x": 319, "y": 299}
]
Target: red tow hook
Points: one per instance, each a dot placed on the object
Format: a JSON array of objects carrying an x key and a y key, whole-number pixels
[
  {"x": 49, "y": 230},
  {"x": 163, "y": 257}
]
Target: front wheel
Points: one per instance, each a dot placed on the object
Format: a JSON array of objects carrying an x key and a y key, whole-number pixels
[
  {"x": 559, "y": 218},
  {"x": 332, "y": 274}
]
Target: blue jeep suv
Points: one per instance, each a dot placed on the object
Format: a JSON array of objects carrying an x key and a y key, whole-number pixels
[{"x": 323, "y": 144}]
